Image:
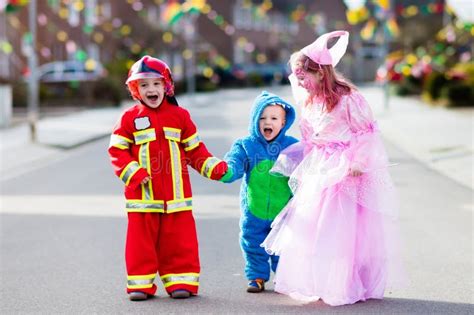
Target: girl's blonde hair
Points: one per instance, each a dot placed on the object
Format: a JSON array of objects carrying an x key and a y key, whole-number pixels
[{"x": 332, "y": 85}]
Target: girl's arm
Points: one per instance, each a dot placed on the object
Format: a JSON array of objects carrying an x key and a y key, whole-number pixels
[{"x": 366, "y": 147}]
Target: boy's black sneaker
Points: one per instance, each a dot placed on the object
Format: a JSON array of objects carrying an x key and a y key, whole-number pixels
[{"x": 256, "y": 286}]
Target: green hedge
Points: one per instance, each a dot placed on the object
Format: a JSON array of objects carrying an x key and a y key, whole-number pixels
[
  {"x": 460, "y": 94},
  {"x": 434, "y": 84}
]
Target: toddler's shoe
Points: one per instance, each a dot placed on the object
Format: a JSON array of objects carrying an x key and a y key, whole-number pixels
[
  {"x": 256, "y": 286},
  {"x": 137, "y": 296},
  {"x": 180, "y": 294}
]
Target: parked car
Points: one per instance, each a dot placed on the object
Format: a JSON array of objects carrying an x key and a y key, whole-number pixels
[
  {"x": 262, "y": 73},
  {"x": 70, "y": 70}
]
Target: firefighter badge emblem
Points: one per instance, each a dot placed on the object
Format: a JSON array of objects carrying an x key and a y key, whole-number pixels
[{"x": 142, "y": 123}]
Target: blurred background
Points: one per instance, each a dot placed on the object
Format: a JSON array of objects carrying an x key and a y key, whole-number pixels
[
  {"x": 63, "y": 65},
  {"x": 83, "y": 48}
]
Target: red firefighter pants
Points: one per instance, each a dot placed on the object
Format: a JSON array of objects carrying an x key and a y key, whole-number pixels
[{"x": 165, "y": 244}]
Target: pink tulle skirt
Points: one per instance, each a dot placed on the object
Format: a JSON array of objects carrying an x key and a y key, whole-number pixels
[{"x": 338, "y": 236}]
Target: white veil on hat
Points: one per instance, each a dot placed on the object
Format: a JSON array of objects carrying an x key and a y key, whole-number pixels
[{"x": 318, "y": 50}]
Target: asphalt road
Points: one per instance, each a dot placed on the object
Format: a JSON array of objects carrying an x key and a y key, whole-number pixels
[{"x": 63, "y": 230}]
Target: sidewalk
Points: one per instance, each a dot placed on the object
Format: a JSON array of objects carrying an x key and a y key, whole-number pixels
[
  {"x": 55, "y": 136},
  {"x": 440, "y": 138}
]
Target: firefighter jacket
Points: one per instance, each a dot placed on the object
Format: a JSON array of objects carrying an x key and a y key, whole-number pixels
[{"x": 159, "y": 142}]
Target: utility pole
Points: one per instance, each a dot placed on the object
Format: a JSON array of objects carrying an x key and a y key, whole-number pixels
[
  {"x": 385, "y": 85},
  {"x": 190, "y": 37},
  {"x": 33, "y": 97},
  {"x": 385, "y": 51}
]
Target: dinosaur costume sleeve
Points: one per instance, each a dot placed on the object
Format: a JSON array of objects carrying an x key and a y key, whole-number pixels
[{"x": 237, "y": 161}]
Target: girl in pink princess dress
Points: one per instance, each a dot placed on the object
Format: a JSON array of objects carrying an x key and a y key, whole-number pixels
[{"x": 338, "y": 236}]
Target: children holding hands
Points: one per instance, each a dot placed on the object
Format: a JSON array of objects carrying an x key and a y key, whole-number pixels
[{"x": 323, "y": 209}]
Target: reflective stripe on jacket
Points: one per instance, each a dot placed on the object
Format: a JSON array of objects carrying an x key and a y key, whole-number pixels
[{"x": 160, "y": 143}]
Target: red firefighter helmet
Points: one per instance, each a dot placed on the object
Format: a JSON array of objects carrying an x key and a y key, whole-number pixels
[{"x": 149, "y": 67}]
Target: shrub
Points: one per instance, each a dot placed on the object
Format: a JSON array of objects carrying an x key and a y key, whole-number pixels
[
  {"x": 434, "y": 84},
  {"x": 408, "y": 86},
  {"x": 203, "y": 84},
  {"x": 255, "y": 79},
  {"x": 460, "y": 94},
  {"x": 110, "y": 90},
  {"x": 20, "y": 94},
  {"x": 464, "y": 71}
]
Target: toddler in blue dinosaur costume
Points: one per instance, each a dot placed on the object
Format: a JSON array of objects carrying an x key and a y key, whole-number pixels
[{"x": 262, "y": 195}]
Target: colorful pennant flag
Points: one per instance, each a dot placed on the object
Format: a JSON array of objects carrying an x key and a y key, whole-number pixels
[
  {"x": 356, "y": 16},
  {"x": 368, "y": 31},
  {"x": 384, "y": 4},
  {"x": 172, "y": 13},
  {"x": 392, "y": 27}
]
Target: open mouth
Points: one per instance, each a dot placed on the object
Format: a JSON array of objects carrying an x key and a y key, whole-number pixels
[
  {"x": 267, "y": 132},
  {"x": 152, "y": 98}
]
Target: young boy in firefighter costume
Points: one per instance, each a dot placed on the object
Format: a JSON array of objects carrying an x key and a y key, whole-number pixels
[
  {"x": 263, "y": 195},
  {"x": 150, "y": 148}
]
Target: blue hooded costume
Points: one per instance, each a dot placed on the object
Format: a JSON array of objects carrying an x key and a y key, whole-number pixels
[{"x": 262, "y": 195}]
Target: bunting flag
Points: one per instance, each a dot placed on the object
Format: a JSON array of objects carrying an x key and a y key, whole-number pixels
[
  {"x": 298, "y": 14},
  {"x": 11, "y": 6},
  {"x": 392, "y": 27},
  {"x": 172, "y": 13},
  {"x": 356, "y": 16},
  {"x": 261, "y": 10},
  {"x": 384, "y": 4},
  {"x": 368, "y": 31},
  {"x": 193, "y": 6},
  {"x": 374, "y": 20}
]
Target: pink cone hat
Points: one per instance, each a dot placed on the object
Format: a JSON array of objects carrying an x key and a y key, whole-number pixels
[{"x": 318, "y": 50}]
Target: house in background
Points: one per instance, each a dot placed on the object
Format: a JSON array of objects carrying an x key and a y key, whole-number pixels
[{"x": 238, "y": 36}]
